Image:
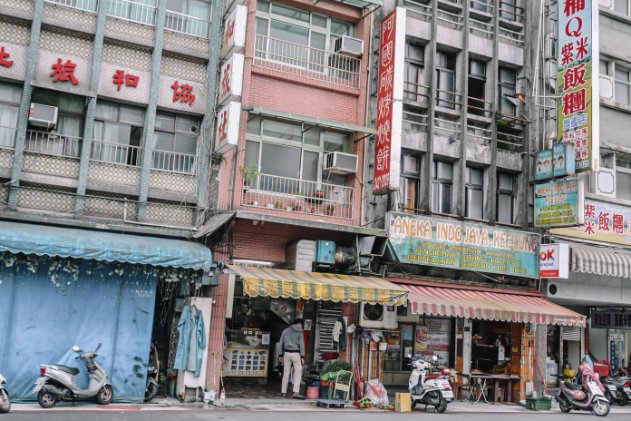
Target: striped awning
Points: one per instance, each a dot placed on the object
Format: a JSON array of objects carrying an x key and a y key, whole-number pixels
[
  {"x": 503, "y": 305},
  {"x": 601, "y": 261},
  {"x": 263, "y": 282}
]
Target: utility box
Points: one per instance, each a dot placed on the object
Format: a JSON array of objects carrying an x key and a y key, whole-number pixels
[
  {"x": 403, "y": 402},
  {"x": 325, "y": 252}
]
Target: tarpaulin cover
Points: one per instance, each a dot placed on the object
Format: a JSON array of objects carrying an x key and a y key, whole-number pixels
[
  {"x": 49, "y": 304},
  {"x": 45, "y": 240}
]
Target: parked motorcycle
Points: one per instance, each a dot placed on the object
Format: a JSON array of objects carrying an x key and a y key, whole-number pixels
[
  {"x": 153, "y": 370},
  {"x": 5, "y": 401},
  {"x": 59, "y": 382},
  {"x": 429, "y": 389},
  {"x": 588, "y": 396},
  {"x": 618, "y": 390}
]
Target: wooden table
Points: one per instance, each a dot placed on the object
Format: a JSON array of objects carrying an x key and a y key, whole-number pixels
[
  {"x": 508, "y": 380},
  {"x": 479, "y": 381}
]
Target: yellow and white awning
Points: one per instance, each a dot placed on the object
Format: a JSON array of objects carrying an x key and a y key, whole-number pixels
[{"x": 276, "y": 283}]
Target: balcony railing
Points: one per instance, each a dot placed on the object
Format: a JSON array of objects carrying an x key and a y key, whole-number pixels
[
  {"x": 481, "y": 29},
  {"x": 415, "y": 92},
  {"x": 116, "y": 153},
  {"x": 511, "y": 37},
  {"x": 450, "y": 19},
  {"x": 285, "y": 195},
  {"x": 484, "y": 134},
  {"x": 418, "y": 10},
  {"x": 479, "y": 106},
  {"x": 87, "y": 5},
  {"x": 448, "y": 99},
  {"x": 510, "y": 12},
  {"x": 510, "y": 132},
  {"x": 483, "y": 6},
  {"x": 174, "y": 162},
  {"x": 311, "y": 63},
  {"x": 186, "y": 24},
  {"x": 52, "y": 143},
  {"x": 132, "y": 11},
  {"x": 7, "y": 137}
]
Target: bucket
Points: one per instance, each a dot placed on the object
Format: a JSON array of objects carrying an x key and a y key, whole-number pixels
[
  {"x": 313, "y": 392},
  {"x": 171, "y": 387}
]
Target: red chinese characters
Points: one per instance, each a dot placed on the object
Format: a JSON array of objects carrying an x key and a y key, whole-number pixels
[
  {"x": 4, "y": 55},
  {"x": 64, "y": 72},
  {"x": 222, "y": 132},
  {"x": 121, "y": 78},
  {"x": 183, "y": 93},
  {"x": 225, "y": 81}
]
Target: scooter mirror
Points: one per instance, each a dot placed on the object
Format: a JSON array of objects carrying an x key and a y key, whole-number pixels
[
  {"x": 434, "y": 357},
  {"x": 408, "y": 356},
  {"x": 76, "y": 348}
]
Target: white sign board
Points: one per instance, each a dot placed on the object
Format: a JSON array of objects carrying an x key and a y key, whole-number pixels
[
  {"x": 234, "y": 30},
  {"x": 554, "y": 261},
  {"x": 227, "y": 131},
  {"x": 231, "y": 82}
]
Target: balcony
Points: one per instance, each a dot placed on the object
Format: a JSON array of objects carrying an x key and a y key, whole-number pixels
[
  {"x": 116, "y": 153},
  {"x": 132, "y": 11},
  {"x": 310, "y": 63},
  {"x": 510, "y": 132},
  {"x": 186, "y": 24},
  {"x": 416, "y": 93},
  {"x": 87, "y": 5},
  {"x": 290, "y": 197},
  {"x": 176, "y": 162},
  {"x": 52, "y": 143}
]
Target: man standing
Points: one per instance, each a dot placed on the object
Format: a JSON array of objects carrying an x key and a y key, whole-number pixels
[{"x": 292, "y": 350}]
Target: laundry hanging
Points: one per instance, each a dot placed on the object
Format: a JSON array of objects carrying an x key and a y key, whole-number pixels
[{"x": 191, "y": 342}]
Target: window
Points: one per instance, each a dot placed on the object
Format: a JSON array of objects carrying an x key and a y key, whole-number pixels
[
  {"x": 506, "y": 196},
  {"x": 188, "y": 16},
  {"x": 89, "y": 5},
  {"x": 414, "y": 63},
  {"x": 441, "y": 187},
  {"x": 143, "y": 11},
  {"x": 176, "y": 146},
  {"x": 481, "y": 5},
  {"x": 410, "y": 182},
  {"x": 297, "y": 37},
  {"x": 621, "y": 6},
  {"x": 509, "y": 10},
  {"x": 69, "y": 128},
  {"x": 507, "y": 93},
  {"x": 10, "y": 97},
  {"x": 474, "y": 193},
  {"x": 446, "y": 80},
  {"x": 623, "y": 179},
  {"x": 118, "y": 133},
  {"x": 477, "y": 87},
  {"x": 623, "y": 85}
]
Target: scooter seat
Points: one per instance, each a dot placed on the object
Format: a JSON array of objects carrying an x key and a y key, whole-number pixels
[
  {"x": 432, "y": 376},
  {"x": 573, "y": 386},
  {"x": 70, "y": 370}
]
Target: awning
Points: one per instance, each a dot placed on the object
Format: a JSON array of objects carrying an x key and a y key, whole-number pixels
[
  {"x": 318, "y": 122},
  {"x": 213, "y": 224},
  {"x": 260, "y": 282},
  {"x": 601, "y": 261},
  {"x": 486, "y": 305},
  {"x": 362, "y": 4},
  {"x": 104, "y": 246}
]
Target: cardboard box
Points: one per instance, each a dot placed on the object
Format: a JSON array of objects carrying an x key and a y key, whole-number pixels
[{"x": 403, "y": 402}]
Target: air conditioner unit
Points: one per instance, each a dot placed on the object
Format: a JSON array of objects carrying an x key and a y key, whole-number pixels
[
  {"x": 41, "y": 115},
  {"x": 378, "y": 316},
  {"x": 349, "y": 46},
  {"x": 340, "y": 163}
]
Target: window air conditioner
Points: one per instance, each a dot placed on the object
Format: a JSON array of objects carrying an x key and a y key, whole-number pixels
[
  {"x": 340, "y": 163},
  {"x": 378, "y": 316},
  {"x": 41, "y": 115},
  {"x": 349, "y": 46}
]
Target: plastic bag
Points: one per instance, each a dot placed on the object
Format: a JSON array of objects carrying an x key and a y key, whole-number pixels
[{"x": 376, "y": 392}]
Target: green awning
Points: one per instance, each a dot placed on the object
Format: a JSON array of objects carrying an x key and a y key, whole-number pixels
[{"x": 318, "y": 122}]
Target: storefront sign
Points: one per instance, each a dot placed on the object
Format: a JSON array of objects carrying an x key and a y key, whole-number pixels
[
  {"x": 611, "y": 319},
  {"x": 577, "y": 79},
  {"x": 433, "y": 338},
  {"x": 556, "y": 162},
  {"x": 183, "y": 93},
  {"x": 387, "y": 165},
  {"x": 64, "y": 72},
  {"x": 554, "y": 261},
  {"x": 4, "y": 58},
  {"x": 121, "y": 78},
  {"x": 559, "y": 203},
  {"x": 231, "y": 81},
  {"x": 425, "y": 240},
  {"x": 604, "y": 221},
  {"x": 234, "y": 31},
  {"x": 227, "y": 132}
]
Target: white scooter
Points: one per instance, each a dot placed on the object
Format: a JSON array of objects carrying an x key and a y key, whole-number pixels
[
  {"x": 59, "y": 382},
  {"x": 5, "y": 401},
  {"x": 429, "y": 389}
]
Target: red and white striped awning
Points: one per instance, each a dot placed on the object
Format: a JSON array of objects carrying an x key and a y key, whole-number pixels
[{"x": 503, "y": 305}]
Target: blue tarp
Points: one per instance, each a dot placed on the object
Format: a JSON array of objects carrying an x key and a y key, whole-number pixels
[
  {"x": 45, "y": 240},
  {"x": 49, "y": 304}
]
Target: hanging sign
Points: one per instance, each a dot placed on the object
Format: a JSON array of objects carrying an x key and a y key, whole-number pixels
[
  {"x": 234, "y": 31},
  {"x": 227, "y": 130},
  {"x": 554, "y": 261},
  {"x": 559, "y": 203},
  {"x": 231, "y": 78}
]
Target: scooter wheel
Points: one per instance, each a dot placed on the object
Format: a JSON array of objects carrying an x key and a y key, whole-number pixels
[
  {"x": 442, "y": 406},
  {"x": 46, "y": 399},
  {"x": 564, "y": 407},
  {"x": 600, "y": 408},
  {"x": 5, "y": 402},
  {"x": 151, "y": 391},
  {"x": 105, "y": 395}
]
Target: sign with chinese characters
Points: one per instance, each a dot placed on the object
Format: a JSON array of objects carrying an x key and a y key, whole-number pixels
[
  {"x": 424, "y": 240},
  {"x": 231, "y": 78},
  {"x": 559, "y": 203},
  {"x": 611, "y": 319},
  {"x": 116, "y": 81},
  {"x": 120, "y": 78},
  {"x": 13, "y": 59},
  {"x": 387, "y": 165},
  {"x": 64, "y": 71},
  {"x": 227, "y": 130},
  {"x": 67, "y": 72},
  {"x": 227, "y": 5},
  {"x": 554, "y": 261},
  {"x": 4, "y": 57},
  {"x": 556, "y": 162},
  {"x": 183, "y": 93},
  {"x": 234, "y": 30},
  {"x": 577, "y": 79},
  {"x": 606, "y": 222}
]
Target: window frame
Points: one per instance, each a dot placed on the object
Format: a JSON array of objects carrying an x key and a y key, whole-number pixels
[
  {"x": 410, "y": 179},
  {"x": 619, "y": 68},
  {"x": 470, "y": 187},
  {"x": 15, "y": 105},
  {"x": 132, "y": 160},
  {"x": 412, "y": 89},
  {"x": 512, "y": 193},
  {"x": 511, "y": 87},
  {"x": 438, "y": 186},
  {"x": 622, "y": 166},
  {"x": 448, "y": 71},
  {"x": 172, "y": 164},
  {"x": 480, "y": 108}
]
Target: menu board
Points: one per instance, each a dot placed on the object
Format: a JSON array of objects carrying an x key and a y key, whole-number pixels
[
  {"x": 245, "y": 362},
  {"x": 433, "y": 338}
]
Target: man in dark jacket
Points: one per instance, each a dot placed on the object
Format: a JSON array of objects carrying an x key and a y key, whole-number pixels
[{"x": 292, "y": 351}]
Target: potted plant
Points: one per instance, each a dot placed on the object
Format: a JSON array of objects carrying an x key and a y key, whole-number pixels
[
  {"x": 329, "y": 209},
  {"x": 279, "y": 204},
  {"x": 328, "y": 375},
  {"x": 250, "y": 173},
  {"x": 315, "y": 197}
]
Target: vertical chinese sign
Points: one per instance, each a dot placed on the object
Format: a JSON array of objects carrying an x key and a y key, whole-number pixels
[
  {"x": 387, "y": 163},
  {"x": 577, "y": 80}
]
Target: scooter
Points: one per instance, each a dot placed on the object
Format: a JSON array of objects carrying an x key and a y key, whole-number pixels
[
  {"x": 586, "y": 397},
  {"x": 59, "y": 382},
  {"x": 5, "y": 401},
  {"x": 618, "y": 390},
  {"x": 429, "y": 389},
  {"x": 152, "y": 374}
]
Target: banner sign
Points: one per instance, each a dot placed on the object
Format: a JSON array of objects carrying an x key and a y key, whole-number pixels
[
  {"x": 387, "y": 164},
  {"x": 424, "y": 240},
  {"x": 611, "y": 320},
  {"x": 554, "y": 261},
  {"x": 556, "y": 162},
  {"x": 606, "y": 222},
  {"x": 577, "y": 79},
  {"x": 559, "y": 203}
]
